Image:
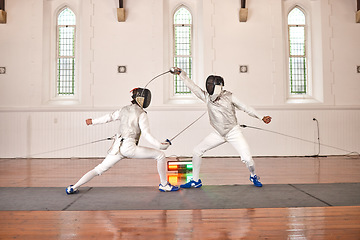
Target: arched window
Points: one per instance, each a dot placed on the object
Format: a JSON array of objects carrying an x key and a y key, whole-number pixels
[
  {"x": 66, "y": 30},
  {"x": 182, "y": 29},
  {"x": 298, "y": 76}
]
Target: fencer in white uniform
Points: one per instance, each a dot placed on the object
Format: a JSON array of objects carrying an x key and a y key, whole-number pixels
[
  {"x": 221, "y": 105},
  {"x": 133, "y": 122}
]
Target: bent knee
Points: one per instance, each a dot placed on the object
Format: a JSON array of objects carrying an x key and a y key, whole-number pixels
[
  {"x": 198, "y": 152},
  {"x": 248, "y": 161},
  {"x": 108, "y": 162},
  {"x": 161, "y": 156},
  {"x": 101, "y": 168}
]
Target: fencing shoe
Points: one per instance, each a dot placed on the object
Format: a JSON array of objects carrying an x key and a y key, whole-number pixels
[
  {"x": 191, "y": 184},
  {"x": 71, "y": 190},
  {"x": 168, "y": 188},
  {"x": 255, "y": 180}
]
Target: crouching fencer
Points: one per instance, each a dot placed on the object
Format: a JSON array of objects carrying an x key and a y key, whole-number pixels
[
  {"x": 221, "y": 106},
  {"x": 133, "y": 122}
]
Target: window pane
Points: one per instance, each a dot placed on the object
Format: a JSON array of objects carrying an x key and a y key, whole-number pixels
[
  {"x": 183, "y": 40},
  {"x": 66, "y": 17},
  {"x": 185, "y": 64},
  {"x": 297, "y": 66},
  {"x": 66, "y": 52},
  {"x": 66, "y": 41},
  {"x": 66, "y": 76},
  {"x": 182, "y": 47},
  {"x": 182, "y": 16},
  {"x": 297, "y": 40},
  {"x": 296, "y": 17},
  {"x": 297, "y": 52}
]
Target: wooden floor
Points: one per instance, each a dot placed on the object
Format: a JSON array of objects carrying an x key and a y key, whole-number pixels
[
  {"x": 260, "y": 223},
  {"x": 214, "y": 171}
]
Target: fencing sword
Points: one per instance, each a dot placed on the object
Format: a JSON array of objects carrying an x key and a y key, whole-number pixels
[
  {"x": 169, "y": 140},
  {"x": 65, "y": 148},
  {"x": 105, "y": 139},
  {"x": 171, "y": 70},
  {"x": 305, "y": 140},
  {"x": 111, "y": 138}
]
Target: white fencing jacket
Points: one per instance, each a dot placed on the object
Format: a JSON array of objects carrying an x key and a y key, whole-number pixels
[
  {"x": 133, "y": 122},
  {"x": 221, "y": 110}
]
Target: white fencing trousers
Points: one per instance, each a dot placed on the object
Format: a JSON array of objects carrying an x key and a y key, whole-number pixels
[
  {"x": 214, "y": 139},
  {"x": 128, "y": 149}
]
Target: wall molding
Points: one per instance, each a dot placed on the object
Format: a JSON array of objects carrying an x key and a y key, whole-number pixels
[{"x": 173, "y": 108}]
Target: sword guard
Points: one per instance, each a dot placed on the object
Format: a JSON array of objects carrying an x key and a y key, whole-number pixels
[{"x": 167, "y": 140}]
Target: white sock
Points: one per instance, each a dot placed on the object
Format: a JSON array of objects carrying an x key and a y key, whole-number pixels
[
  {"x": 162, "y": 171},
  {"x": 196, "y": 162},
  {"x": 252, "y": 170}
]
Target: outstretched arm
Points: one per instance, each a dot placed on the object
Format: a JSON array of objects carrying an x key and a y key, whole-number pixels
[
  {"x": 249, "y": 110},
  {"x": 201, "y": 94},
  {"x": 145, "y": 131},
  {"x": 104, "y": 119}
]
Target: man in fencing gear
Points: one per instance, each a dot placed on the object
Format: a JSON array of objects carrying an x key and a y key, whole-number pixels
[
  {"x": 214, "y": 85},
  {"x": 221, "y": 106},
  {"x": 133, "y": 122},
  {"x": 142, "y": 96}
]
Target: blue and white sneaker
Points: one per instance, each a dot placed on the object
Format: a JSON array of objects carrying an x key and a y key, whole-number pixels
[
  {"x": 255, "y": 180},
  {"x": 71, "y": 190},
  {"x": 192, "y": 184},
  {"x": 168, "y": 188}
]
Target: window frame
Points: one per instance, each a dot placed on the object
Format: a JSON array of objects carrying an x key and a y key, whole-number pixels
[
  {"x": 317, "y": 64},
  {"x": 74, "y": 81},
  {"x": 305, "y": 57},
  {"x": 190, "y": 73}
]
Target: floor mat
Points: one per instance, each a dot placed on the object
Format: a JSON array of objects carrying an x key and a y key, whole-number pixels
[{"x": 206, "y": 197}]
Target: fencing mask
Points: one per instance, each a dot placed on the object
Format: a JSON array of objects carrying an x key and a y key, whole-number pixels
[
  {"x": 142, "y": 96},
  {"x": 213, "y": 81}
]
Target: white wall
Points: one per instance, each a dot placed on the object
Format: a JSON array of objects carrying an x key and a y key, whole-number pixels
[{"x": 33, "y": 120}]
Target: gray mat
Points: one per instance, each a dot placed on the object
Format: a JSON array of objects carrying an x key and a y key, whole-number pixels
[{"x": 207, "y": 197}]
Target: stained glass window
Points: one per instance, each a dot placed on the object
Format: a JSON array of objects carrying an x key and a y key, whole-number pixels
[
  {"x": 297, "y": 51},
  {"x": 66, "y": 29},
  {"x": 182, "y": 47}
]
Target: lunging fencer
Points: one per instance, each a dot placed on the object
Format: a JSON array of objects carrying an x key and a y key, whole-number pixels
[
  {"x": 221, "y": 106},
  {"x": 133, "y": 122}
]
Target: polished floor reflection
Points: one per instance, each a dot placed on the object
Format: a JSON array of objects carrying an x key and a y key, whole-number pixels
[
  {"x": 259, "y": 223},
  {"x": 214, "y": 171}
]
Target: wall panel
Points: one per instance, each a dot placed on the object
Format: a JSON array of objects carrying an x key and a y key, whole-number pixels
[{"x": 27, "y": 134}]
